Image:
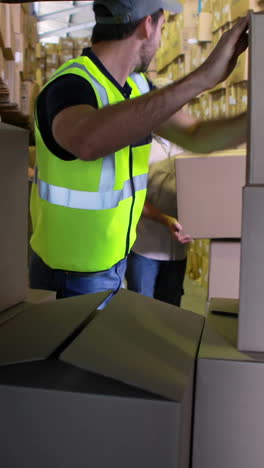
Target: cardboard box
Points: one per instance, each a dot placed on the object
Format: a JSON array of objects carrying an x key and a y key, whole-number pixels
[
  {"x": 224, "y": 269},
  {"x": 20, "y": 51},
  {"x": 2, "y": 66},
  {"x": 32, "y": 25},
  {"x": 81, "y": 42},
  {"x": 30, "y": 30},
  {"x": 29, "y": 92},
  {"x": 17, "y": 16},
  {"x": 251, "y": 317},
  {"x": 13, "y": 81},
  {"x": 206, "y": 106},
  {"x": 240, "y": 72},
  {"x": 2, "y": 25},
  {"x": 39, "y": 76},
  {"x": 217, "y": 14},
  {"x": 40, "y": 50},
  {"x": 52, "y": 61},
  {"x": 49, "y": 73},
  {"x": 229, "y": 411},
  {"x": 64, "y": 57},
  {"x": 206, "y": 6},
  {"x": 9, "y": 36},
  {"x": 30, "y": 64},
  {"x": 48, "y": 329},
  {"x": 255, "y": 163},
  {"x": 73, "y": 411},
  {"x": 240, "y": 7},
  {"x": 243, "y": 97},
  {"x": 233, "y": 100},
  {"x": 38, "y": 296},
  {"x": 195, "y": 56},
  {"x": 206, "y": 49},
  {"x": 205, "y": 22},
  {"x": 67, "y": 43},
  {"x": 190, "y": 13},
  {"x": 14, "y": 202},
  {"x": 226, "y": 12},
  {"x": 219, "y": 104},
  {"x": 195, "y": 108},
  {"x": 135, "y": 364},
  {"x": 52, "y": 49},
  {"x": 237, "y": 98},
  {"x": 209, "y": 193}
]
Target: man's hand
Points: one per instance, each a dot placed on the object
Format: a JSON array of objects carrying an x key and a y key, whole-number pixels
[
  {"x": 222, "y": 60},
  {"x": 176, "y": 230},
  {"x": 152, "y": 212}
]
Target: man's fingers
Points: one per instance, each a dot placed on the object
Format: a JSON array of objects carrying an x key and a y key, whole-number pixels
[
  {"x": 184, "y": 239},
  {"x": 241, "y": 46},
  {"x": 238, "y": 29},
  {"x": 241, "y": 25},
  {"x": 178, "y": 226}
]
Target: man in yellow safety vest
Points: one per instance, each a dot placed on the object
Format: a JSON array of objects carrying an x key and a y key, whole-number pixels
[{"x": 94, "y": 119}]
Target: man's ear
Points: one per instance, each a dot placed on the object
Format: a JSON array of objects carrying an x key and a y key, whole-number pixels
[{"x": 145, "y": 28}]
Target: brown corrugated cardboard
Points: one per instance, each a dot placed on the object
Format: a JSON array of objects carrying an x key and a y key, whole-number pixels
[
  {"x": 209, "y": 193},
  {"x": 2, "y": 65},
  {"x": 17, "y": 15},
  {"x": 29, "y": 91},
  {"x": 224, "y": 269},
  {"x": 226, "y": 12},
  {"x": 229, "y": 410},
  {"x": 205, "y": 21},
  {"x": 136, "y": 340},
  {"x": 2, "y": 24},
  {"x": 217, "y": 14},
  {"x": 38, "y": 296},
  {"x": 9, "y": 37},
  {"x": 255, "y": 162},
  {"x": 40, "y": 329},
  {"x": 240, "y": 72},
  {"x": 148, "y": 344},
  {"x": 13, "y": 232},
  {"x": 13, "y": 81},
  {"x": 240, "y": 7},
  {"x": 251, "y": 314},
  {"x": 190, "y": 13}
]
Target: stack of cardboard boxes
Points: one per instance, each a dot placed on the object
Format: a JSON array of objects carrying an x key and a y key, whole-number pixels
[
  {"x": 188, "y": 39},
  {"x": 26, "y": 64},
  {"x": 18, "y": 38},
  {"x": 50, "y": 56},
  {"x": 209, "y": 194},
  {"x": 252, "y": 255},
  {"x": 14, "y": 291}
]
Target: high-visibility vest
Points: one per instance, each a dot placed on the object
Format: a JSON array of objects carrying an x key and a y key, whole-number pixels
[{"x": 85, "y": 213}]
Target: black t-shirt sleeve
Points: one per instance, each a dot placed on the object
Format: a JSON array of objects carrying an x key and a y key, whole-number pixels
[
  {"x": 65, "y": 91},
  {"x": 151, "y": 85}
]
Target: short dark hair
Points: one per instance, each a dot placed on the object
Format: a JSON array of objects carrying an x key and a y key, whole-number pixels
[{"x": 115, "y": 32}]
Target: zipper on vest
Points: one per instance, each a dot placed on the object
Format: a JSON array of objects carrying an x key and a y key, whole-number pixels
[{"x": 133, "y": 200}]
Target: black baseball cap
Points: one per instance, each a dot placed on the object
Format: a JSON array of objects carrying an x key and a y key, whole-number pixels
[{"x": 130, "y": 11}]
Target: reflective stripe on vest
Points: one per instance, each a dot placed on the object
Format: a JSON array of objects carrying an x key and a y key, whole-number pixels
[
  {"x": 101, "y": 90},
  {"x": 82, "y": 200},
  {"x": 107, "y": 180},
  {"x": 141, "y": 82}
]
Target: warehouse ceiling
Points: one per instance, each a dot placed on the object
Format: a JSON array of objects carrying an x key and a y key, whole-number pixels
[{"x": 64, "y": 19}]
